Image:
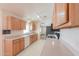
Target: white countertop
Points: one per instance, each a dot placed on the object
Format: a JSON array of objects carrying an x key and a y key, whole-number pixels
[{"x": 16, "y": 37}]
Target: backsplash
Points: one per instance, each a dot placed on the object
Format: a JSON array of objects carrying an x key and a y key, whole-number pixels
[{"x": 15, "y": 33}]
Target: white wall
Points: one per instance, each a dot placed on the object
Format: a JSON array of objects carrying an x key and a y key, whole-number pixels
[
  {"x": 71, "y": 38},
  {"x": 1, "y": 49}
]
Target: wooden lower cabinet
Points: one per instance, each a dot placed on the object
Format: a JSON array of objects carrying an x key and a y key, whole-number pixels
[
  {"x": 8, "y": 48},
  {"x": 33, "y": 38},
  {"x": 13, "y": 47},
  {"x": 22, "y": 44}
]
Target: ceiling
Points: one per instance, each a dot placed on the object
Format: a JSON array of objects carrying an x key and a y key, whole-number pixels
[
  {"x": 22, "y": 9},
  {"x": 27, "y": 9}
]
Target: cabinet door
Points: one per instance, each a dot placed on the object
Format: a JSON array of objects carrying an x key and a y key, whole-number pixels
[
  {"x": 16, "y": 24},
  {"x": 21, "y": 44},
  {"x": 54, "y": 17},
  {"x": 12, "y": 23},
  {"x": 22, "y": 24},
  {"x": 36, "y": 37},
  {"x": 8, "y": 48},
  {"x": 33, "y": 26},
  {"x": 61, "y": 13},
  {"x": 74, "y": 14},
  {"x": 19, "y": 24},
  {"x": 31, "y": 39},
  {"x": 5, "y": 23},
  {"x": 16, "y": 46}
]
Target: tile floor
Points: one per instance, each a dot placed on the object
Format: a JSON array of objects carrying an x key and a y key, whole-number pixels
[
  {"x": 55, "y": 48},
  {"x": 48, "y": 47},
  {"x": 34, "y": 49}
]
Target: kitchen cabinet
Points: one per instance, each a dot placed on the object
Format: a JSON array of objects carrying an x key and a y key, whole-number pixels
[
  {"x": 22, "y": 24},
  {"x": 16, "y": 47},
  {"x": 26, "y": 41},
  {"x": 13, "y": 47},
  {"x": 59, "y": 14},
  {"x": 68, "y": 17},
  {"x": 13, "y": 23},
  {"x": 33, "y": 38},
  {"x": 33, "y": 25},
  {"x": 22, "y": 44}
]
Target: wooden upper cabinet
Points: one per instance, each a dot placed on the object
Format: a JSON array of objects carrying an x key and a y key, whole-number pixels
[
  {"x": 66, "y": 16},
  {"x": 33, "y": 25},
  {"x": 13, "y": 23},
  {"x": 74, "y": 14},
  {"x": 22, "y": 24},
  {"x": 59, "y": 14}
]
